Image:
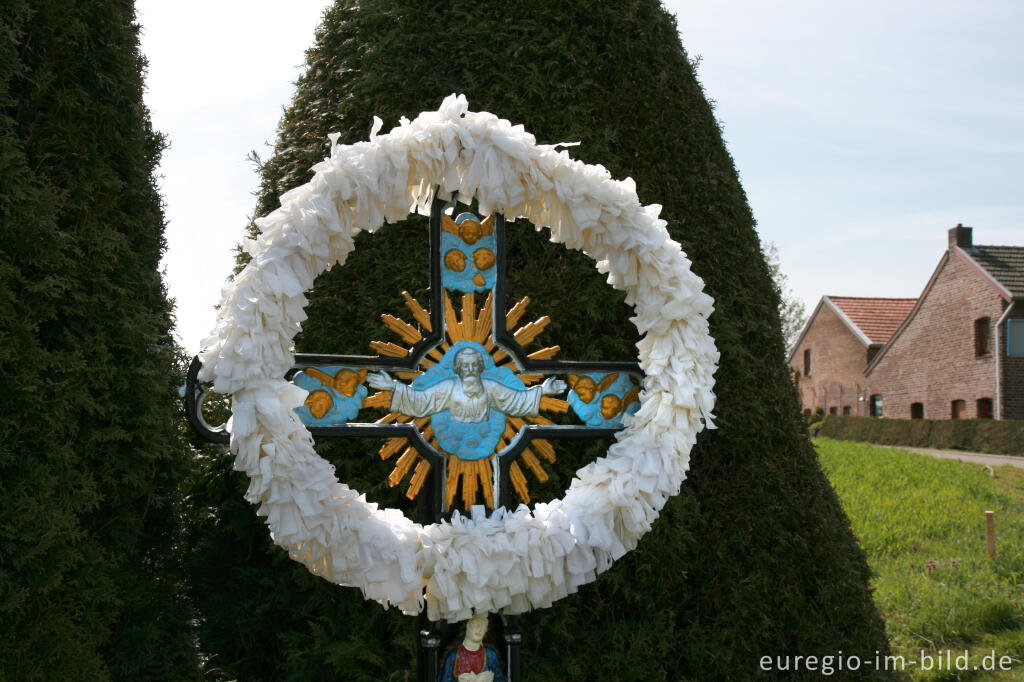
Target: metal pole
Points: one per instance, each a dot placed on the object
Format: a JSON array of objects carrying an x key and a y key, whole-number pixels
[
  {"x": 430, "y": 643},
  {"x": 990, "y": 534},
  {"x": 513, "y": 641}
]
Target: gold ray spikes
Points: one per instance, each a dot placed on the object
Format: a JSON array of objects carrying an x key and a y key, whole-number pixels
[
  {"x": 483, "y": 320},
  {"x": 545, "y": 353},
  {"x": 454, "y": 329},
  {"x": 452, "y": 484},
  {"x": 487, "y": 482},
  {"x": 524, "y": 336},
  {"x": 544, "y": 448},
  {"x": 554, "y": 404},
  {"x": 516, "y": 312},
  {"x": 469, "y": 483},
  {"x": 527, "y": 333},
  {"x": 519, "y": 482},
  {"x": 518, "y": 423},
  {"x": 498, "y": 354},
  {"x": 474, "y": 477},
  {"x": 418, "y": 477},
  {"x": 403, "y": 465},
  {"x": 469, "y": 316},
  {"x": 389, "y": 349},
  {"x": 421, "y": 316},
  {"x": 525, "y": 378},
  {"x": 379, "y": 399},
  {"x": 402, "y": 328},
  {"x": 530, "y": 460},
  {"x": 469, "y": 325},
  {"x": 391, "y": 446}
]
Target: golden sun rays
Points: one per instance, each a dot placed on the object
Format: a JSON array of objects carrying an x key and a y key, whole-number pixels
[{"x": 471, "y": 477}]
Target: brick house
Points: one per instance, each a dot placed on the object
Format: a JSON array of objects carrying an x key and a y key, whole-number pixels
[
  {"x": 955, "y": 352},
  {"x": 842, "y": 336}
]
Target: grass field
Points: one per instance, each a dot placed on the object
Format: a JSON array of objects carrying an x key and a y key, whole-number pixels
[{"x": 921, "y": 522}]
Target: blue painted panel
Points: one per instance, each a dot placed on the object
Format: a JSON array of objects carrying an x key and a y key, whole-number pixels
[
  {"x": 469, "y": 441},
  {"x": 458, "y": 253},
  {"x": 590, "y": 412},
  {"x": 330, "y": 392}
]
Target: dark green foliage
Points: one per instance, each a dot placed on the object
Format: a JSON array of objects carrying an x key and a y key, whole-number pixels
[
  {"x": 1002, "y": 436},
  {"x": 90, "y": 454},
  {"x": 755, "y": 556}
]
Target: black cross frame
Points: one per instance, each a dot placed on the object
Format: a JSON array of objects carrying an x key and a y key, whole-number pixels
[{"x": 431, "y": 503}]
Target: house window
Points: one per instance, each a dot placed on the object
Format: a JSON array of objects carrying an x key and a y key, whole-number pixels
[
  {"x": 982, "y": 337},
  {"x": 876, "y": 405},
  {"x": 833, "y": 410},
  {"x": 807, "y": 362},
  {"x": 917, "y": 410},
  {"x": 846, "y": 410},
  {"x": 807, "y": 413},
  {"x": 958, "y": 409},
  {"x": 1015, "y": 338},
  {"x": 984, "y": 408}
]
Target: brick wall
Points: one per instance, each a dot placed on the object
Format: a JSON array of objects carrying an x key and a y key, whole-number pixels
[
  {"x": 1012, "y": 370},
  {"x": 933, "y": 360},
  {"x": 838, "y": 358}
]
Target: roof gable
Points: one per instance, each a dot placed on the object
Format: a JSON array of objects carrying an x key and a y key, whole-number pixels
[
  {"x": 1005, "y": 264},
  {"x": 880, "y": 317},
  {"x": 876, "y": 318}
]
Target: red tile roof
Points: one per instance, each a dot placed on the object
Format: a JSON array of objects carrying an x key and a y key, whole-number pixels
[{"x": 878, "y": 318}]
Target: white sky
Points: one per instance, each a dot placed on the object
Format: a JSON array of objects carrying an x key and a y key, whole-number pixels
[{"x": 861, "y": 131}]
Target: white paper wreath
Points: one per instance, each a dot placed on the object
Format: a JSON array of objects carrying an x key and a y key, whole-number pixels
[{"x": 516, "y": 560}]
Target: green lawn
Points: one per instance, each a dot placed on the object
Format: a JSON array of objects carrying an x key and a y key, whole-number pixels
[{"x": 921, "y": 522}]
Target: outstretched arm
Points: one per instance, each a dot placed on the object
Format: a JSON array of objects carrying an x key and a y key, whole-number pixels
[
  {"x": 380, "y": 381},
  {"x": 552, "y": 386}
]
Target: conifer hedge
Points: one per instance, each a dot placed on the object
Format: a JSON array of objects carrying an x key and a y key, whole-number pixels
[
  {"x": 997, "y": 436},
  {"x": 90, "y": 451},
  {"x": 754, "y": 557}
]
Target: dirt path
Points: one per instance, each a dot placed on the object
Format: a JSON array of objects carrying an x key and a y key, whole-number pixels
[{"x": 964, "y": 456}]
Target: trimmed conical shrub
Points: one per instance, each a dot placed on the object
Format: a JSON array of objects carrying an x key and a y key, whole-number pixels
[
  {"x": 90, "y": 447},
  {"x": 754, "y": 557}
]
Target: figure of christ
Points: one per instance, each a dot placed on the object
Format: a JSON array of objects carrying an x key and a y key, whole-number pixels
[
  {"x": 467, "y": 396},
  {"x": 472, "y": 660}
]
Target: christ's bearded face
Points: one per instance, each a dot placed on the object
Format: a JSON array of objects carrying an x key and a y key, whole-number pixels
[{"x": 468, "y": 365}]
